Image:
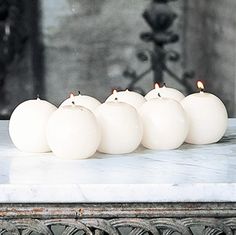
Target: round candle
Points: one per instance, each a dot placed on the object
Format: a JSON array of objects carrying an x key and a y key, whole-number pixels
[
  {"x": 73, "y": 132},
  {"x": 130, "y": 97},
  {"x": 27, "y": 126},
  {"x": 164, "y": 92},
  {"x": 207, "y": 116},
  {"x": 120, "y": 126},
  {"x": 165, "y": 124},
  {"x": 83, "y": 100}
]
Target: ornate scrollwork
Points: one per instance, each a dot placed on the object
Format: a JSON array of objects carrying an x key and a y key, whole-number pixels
[
  {"x": 160, "y": 18},
  {"x": 136, "y": 226}
]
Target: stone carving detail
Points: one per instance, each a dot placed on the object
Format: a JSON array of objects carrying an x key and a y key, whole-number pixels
[{"x": 159, "y": 226}]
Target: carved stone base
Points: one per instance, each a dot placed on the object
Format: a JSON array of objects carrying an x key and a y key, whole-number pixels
[{"x": 133, "y": 219}]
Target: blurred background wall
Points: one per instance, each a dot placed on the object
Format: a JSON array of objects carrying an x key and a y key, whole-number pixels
[
  {"x": 85, "y": 45},
  {"x": 209, "y": 37}
]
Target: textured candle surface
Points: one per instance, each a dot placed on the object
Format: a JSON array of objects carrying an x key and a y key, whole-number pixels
[
  {"x": 83, "y": 100},
  {"x": 73, "y": 133},
  {"x": 28, "y": 124},
  {"x": 207, "y": 118},
  {"x": 130, "y": 97},
  {"x": 165, "y": 92},
  {"x": 165, "y": 124},
  {"x": 121, "y": 128}
]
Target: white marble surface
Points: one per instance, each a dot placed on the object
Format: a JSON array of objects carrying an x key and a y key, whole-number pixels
[{"x": 189, "y": 174}]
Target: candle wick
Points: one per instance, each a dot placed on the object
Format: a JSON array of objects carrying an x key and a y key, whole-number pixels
[
  {"x": 201, "y": 90},
  {"x": 159, "y": 95},
  {"x": 37, "y": 96},
  {"x": 116, "y": 99},
  {"x": 164, "y": 84},
  {"x": 79, "y": 92},
  {"x": 73, "y": 102}
]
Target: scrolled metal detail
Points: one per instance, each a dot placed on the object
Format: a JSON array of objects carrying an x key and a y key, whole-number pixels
[
  {"x": 6, "y": 226},
  {"x": 211, "y": 231},
  {"x": 29, "y": 226},
  {"x": 212, "y": 225},
  {"x": 230, "y": 223},
  {"x": 160, "y": 17},
  {"x": 72, "y": 226},
  {"x": 101, "y": 224},
  {"x": 138, "y": 226},
  {"x": 142, "y": 225},
  {"x": 172, "y": 225}
]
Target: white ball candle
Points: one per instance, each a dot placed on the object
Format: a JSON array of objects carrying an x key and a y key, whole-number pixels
[
  {"x": 73, "y": 132},
  {"x": 164, "y": 92},
  {"x": 27, "y": 126},
  {"x": 165, "y": 124},
  {"x": 130, "y": 97},
  {"x": 83, "y": 100},
  {"x": 120, "y": 126},
  {"x": 207, "y": 116}
]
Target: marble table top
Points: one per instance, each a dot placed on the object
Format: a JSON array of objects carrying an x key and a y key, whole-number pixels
[{"x": 204, "y": 173}]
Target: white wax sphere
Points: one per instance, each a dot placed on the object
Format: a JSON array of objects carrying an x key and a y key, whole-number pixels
[
  {"x": 130, "y": 97},
  {"x": 83, "y": 100},
  {"x": 165, "y": 124},
  {"x": 120, "y": 127},
  {"x": 207, "y": 117},
  {"x": 73, "y": 132},
  {"x": 27, "y": 126},
  {"x": 164, "y": 92}
]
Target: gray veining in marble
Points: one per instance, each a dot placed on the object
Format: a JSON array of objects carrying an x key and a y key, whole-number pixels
[{"x": 191, "y": 173}]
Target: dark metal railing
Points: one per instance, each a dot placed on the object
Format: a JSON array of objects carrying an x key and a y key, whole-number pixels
[{"x": 160, "y": 18}]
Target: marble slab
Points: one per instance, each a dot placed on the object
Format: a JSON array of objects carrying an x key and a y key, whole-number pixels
[{"x": 204, "y": 173}]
